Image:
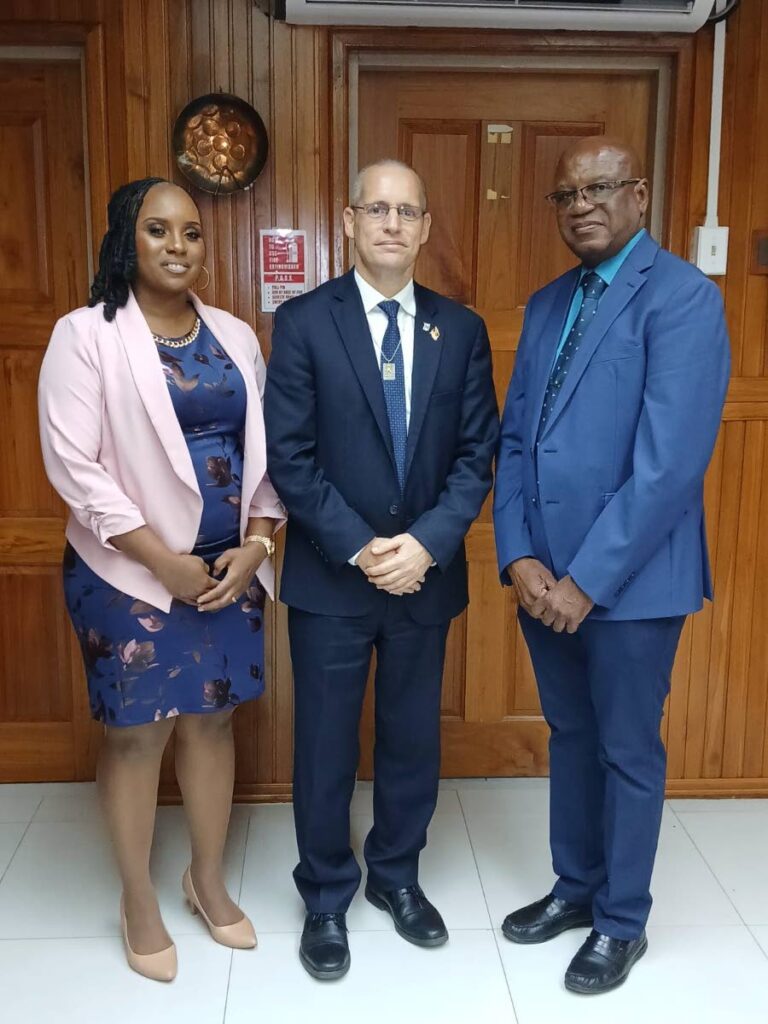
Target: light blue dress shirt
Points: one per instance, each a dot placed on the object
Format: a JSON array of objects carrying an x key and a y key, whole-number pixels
[{"x": 608, "y": 269}]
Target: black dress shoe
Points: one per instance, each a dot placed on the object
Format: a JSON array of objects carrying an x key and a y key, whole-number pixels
[
  {"x": 415, "y": 918},
  {"x": 324, "y": 950},
  {"x": 603, "y": 963},
  {"x": 545, "y": 919}
]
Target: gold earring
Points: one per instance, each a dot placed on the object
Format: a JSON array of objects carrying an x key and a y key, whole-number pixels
[{"x": 207, "y": 280}]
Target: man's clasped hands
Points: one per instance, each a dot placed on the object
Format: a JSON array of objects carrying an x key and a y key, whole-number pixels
[
  {"x": 560, "y": 604},
  {"x": 395, "y": 564},
  {"x": 399, "y": 565}
]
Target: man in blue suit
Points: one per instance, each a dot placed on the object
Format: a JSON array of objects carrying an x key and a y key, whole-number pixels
[
  {"x": 381, "y": 425},
  {"x": 609, "y": 424}
]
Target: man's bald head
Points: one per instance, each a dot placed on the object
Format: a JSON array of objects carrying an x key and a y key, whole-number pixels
[
  {"x": 597, "y": 227},
  {"x": 599, "y": 149}
]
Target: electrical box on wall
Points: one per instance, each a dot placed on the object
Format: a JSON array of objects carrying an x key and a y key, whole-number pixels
[{"x": 709, "y": 250}]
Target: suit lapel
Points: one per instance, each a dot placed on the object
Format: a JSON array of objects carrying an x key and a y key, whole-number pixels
[
  {"x": 426, "y": 358},
  {"x": 624, "y": 287},
  {"x": 352, "y": 323},
  {"x": 148, "y": 376},
  {"x": 550, "y": 336}
]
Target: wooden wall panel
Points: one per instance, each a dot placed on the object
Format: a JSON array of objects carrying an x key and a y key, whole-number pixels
[
  {"x": 718, "y": 725},
  {"x": 145, "y": 59},
  {"x": 35, "y": 667},
  {"x": 447, "y": 264},
  {"x": 24, "y": 489},
  {"x": 743, "y": 191}
]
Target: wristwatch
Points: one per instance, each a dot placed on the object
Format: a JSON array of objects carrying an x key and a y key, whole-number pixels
[{"x": 256, "y": 538}]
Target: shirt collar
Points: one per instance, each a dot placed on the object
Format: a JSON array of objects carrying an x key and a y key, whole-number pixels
[
  {"x": 371, "y": 298},
  {"x": 609, "y": 268}
]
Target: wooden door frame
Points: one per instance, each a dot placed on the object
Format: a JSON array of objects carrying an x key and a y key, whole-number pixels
[
  {"x": 440, "y": 50},
  {"x": 116, "y": 141},
  {"x": 89, "y": 39},
  {"x": 348, "y": 43},
  {"x": 40, "y": 41}
]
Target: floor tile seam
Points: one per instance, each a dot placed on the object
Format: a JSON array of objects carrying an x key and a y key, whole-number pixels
[
  {"x": 652, "y": 925},
  {"x": 761, "y": 811},
  {"x": 66, "y": 938},
  {"x": 229, "y": 981},
  {"x": 506, "y": 977},
  {"x": 192, "y": 935},
  {"x": 710, "y": 869},
  {"x": 245, "y": 858},
  {"x": 17, "y": 821},
  {"x": 384, "y": 929},
  {"x": 37, "y": 810},
  {"x": 11, "y": 859},
  {"x": 200, "y": 933},
  {"x": 755, "y": 939},
  {"x": 368, "y": 931},
  {"x": 474, "y": 858}
]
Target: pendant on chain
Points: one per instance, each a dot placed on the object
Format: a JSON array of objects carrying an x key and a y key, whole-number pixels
[{"x": 388, "y": 371}]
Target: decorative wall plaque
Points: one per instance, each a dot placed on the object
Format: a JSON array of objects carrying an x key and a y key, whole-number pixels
[{"x": 220, "y": 143}]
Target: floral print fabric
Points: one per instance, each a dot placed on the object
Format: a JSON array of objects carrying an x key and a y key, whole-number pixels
[{"x": 143, "y": 664}]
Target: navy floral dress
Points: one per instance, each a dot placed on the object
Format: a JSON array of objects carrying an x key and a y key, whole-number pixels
[{"x": 141, "y": 663}]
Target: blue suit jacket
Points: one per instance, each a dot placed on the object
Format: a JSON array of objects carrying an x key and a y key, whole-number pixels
[
  {"x": 612, "y": 491},
  {"x": 330, "y": 455}
]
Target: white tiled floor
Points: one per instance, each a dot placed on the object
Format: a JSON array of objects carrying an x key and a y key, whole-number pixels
[{"x": 61, "y": 958}]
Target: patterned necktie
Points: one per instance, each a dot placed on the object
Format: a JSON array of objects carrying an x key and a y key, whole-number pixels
[
  {"x": 593, "y": 286},
  {"x": 393, "y": 382}
]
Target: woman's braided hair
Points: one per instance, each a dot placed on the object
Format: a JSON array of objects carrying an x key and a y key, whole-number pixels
[{"x": 117, "y": 256}]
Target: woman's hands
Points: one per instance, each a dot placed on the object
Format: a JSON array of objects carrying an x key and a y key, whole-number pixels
[
  {"x": 185, "y": 576},
  {"x": 238, "y": 566}
]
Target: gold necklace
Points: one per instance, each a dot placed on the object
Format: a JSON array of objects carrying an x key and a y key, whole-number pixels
[{"x": 187, "y": 339}]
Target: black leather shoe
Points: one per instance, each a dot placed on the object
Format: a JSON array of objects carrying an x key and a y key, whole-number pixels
[
  {"x": 415, "y": 918},
  {"x": 324, "y": 950},
  {"x": 603, "y": 963},
  {"x": 545, "y": 919}
]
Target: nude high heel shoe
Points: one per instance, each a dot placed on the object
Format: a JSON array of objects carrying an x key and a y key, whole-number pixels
[
  {"x": 160, "y": 966},
  {"x": 239, "y": 935}
]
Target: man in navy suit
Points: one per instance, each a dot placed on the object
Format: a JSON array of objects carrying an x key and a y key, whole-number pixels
[
  {"x": 609, "y": 425},
  {"x": 381, "y": 425}
]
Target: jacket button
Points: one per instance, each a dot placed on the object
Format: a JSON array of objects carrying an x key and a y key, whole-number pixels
[
  {"x": 534, "y": 501},
  {"x": 394, "y": 510}
]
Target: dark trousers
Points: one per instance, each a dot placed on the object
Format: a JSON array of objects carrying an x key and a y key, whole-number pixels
[
  {"x": 602, "y": 691},
  {"x": 331, "y": 658}
]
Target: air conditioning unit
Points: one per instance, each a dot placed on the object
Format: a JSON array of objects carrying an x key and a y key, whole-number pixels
[{"x": 587, "y": 15}]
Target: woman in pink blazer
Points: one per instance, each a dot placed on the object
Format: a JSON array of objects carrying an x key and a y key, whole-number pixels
[{"x": 152, "y": 432}]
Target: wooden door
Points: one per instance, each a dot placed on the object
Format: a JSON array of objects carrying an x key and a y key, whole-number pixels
[
  {"x": 44, "y": 724},
  {"x": 486, "y": 145}
]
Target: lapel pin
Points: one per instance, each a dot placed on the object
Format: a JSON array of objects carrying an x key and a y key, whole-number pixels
[
  {"x": 434, "y": 333},
  {"x": 425, "y": 326}
]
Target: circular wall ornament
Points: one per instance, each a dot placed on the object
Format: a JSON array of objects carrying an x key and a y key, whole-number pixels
[{"x": 220, "y": 143}]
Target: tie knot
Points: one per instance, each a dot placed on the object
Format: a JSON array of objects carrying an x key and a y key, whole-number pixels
[
  {"x": 593, "y": 285},
  {"x": 390, "y": 307}
]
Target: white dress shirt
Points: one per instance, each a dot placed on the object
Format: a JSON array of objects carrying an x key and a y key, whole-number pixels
[{"x": 377, "y": 323}]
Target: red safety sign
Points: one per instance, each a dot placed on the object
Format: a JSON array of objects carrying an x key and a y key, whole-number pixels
[{"x": 283, "y": 266}]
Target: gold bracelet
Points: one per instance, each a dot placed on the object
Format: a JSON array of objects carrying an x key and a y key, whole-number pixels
[{"x": 256, "y": 538}]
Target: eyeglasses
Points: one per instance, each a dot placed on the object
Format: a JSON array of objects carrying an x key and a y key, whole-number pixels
[
  {"x": 380, "y": 211},
  {"x": 595, "y": 194}
]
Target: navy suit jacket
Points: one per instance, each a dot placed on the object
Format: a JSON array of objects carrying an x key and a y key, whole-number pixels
[
  {"x": 612, "y": 491},
  {"x": 330, "y": 455}
]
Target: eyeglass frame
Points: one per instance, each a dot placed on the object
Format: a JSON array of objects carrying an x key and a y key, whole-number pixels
[
  {"x": 574, "y": 192},
  {"x": 400, "y": 206}
]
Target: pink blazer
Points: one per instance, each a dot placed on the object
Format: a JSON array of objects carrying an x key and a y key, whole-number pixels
[{"x": 115, "y": 452}]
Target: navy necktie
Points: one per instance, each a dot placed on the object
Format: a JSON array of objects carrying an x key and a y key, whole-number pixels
[
  {"x": 393, "y": 382},
  {"x": 593, "y": 286}
]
